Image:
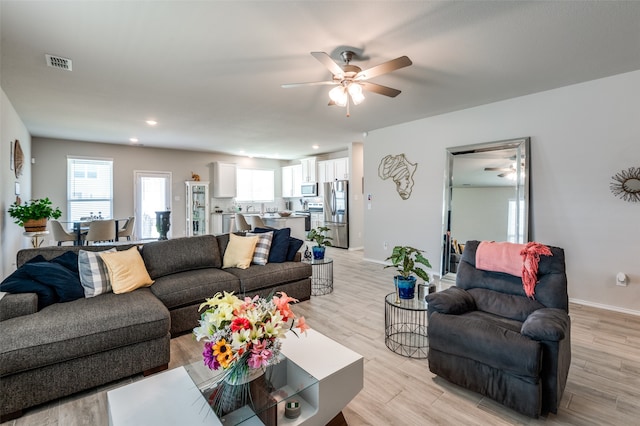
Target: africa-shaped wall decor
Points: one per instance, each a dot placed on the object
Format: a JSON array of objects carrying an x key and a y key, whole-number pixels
[
  {"x": 626, "y": 184},
  {"x": 401, "y": 171}
]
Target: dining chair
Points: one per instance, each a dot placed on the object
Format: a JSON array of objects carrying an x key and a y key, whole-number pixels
[
  {"x": 257, "y": 222},
  {"x": 60, "y": 234},
  {"x": 127, "y": 229},
  {"x": 241, "y": 223},
  {"x": 101, "y": 230}
]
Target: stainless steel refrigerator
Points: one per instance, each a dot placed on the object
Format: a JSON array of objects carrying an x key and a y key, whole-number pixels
[{"x": 336, "y": 212}]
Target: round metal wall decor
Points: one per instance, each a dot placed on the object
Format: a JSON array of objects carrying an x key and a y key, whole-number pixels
[{"x": 626, "y": 184}]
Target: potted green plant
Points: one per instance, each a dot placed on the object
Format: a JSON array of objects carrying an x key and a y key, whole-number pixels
[
  {"x": 33, "y": 215},
  {"x": 322, "y": 241},
  {"x": 404, "y": 260}
]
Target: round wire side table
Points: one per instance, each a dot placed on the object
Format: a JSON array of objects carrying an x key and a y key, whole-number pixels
[
  {"x": 321, "y": 276},
  {"x": 405, "y": 326}
]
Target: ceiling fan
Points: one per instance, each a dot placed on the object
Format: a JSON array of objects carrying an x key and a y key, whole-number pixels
[
  {"x": 506, "y": 171},
  {"x": 351, "y": 80}
]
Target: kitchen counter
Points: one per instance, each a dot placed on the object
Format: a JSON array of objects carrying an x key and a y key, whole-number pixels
[{"x": 223, "y": 222}]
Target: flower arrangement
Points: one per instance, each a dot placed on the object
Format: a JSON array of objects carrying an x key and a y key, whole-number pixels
[{"x": 244, "y": 334}]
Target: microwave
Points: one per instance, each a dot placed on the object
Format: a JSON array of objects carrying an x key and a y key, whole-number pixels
[{"x": 309, "y": 189}]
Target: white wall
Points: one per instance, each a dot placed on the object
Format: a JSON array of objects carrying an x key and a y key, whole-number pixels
[
  {"x": 581, "y": 135},
  {"x": 11, "y": 238}
]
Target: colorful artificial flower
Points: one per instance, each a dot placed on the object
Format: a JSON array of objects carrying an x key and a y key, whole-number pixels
[{"x": 245, "y": 333}]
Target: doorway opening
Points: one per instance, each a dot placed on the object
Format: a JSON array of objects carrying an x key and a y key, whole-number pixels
[{"x": 152, "y": 194}]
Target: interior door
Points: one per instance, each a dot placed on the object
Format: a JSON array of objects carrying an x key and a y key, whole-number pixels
[{"x": 153, "y": 193}]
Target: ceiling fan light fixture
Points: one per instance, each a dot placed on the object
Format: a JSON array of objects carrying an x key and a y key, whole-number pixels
[
  {"x": 338, "y": 95},
  {"x": 355, "y": 90}
]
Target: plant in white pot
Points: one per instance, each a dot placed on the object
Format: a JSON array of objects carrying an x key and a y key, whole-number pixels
[
  {"x": 322, "y": 241},
  {"x": 404, "y": 260}
]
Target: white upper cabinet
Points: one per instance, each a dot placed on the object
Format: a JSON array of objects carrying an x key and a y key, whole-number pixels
[
  {"x": 308, "y": 169},
  {"x": 330, "y": 170},
  {"x": 291, "y": 181},
  {"x": 224, "y": 180}
]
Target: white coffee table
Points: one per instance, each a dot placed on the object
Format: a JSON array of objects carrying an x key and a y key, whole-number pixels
[{"x": 172, "y": 397}]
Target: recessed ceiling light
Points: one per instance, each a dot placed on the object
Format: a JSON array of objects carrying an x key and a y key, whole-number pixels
[
  {"x": 315, "y": 146},
  {"x": 133, "y": 140},
  {"x": 151, "y": 122}
]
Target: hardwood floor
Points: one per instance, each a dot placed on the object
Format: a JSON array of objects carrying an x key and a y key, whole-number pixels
[{"x": 603, "y": 386}]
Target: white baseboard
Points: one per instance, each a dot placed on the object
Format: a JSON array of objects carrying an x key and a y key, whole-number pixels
[{"x": 606, "y": 307}]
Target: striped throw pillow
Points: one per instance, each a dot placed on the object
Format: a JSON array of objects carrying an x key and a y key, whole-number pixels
[
  {"x": 94, "y": 275},
  {"x": 261, "y": 252}
]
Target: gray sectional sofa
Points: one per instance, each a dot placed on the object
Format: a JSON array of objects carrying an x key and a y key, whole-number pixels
[{"x": 68, "y": 347}]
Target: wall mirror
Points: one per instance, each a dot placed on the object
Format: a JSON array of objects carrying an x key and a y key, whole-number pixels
[{"x": 486, "y": 197}]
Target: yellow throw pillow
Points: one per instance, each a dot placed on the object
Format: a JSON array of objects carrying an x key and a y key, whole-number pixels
[
  {"x": 126, "y": 270},
  {"x": 239, "y": 252}
]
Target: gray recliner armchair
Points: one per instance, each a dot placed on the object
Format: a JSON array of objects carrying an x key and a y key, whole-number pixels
[{"x": 486, "y": 335}]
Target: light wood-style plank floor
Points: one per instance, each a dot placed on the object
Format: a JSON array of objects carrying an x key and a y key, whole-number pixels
[{"x": 603, "y": 386}]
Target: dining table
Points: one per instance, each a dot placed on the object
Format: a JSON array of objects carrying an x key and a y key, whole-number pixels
[{"x": 81, "y": 227}]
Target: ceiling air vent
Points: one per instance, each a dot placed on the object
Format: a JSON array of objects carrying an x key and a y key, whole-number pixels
[{"x": 58, "y": 62}]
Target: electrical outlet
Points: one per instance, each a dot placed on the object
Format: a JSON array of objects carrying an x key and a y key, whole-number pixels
[{"x": 385, "y": 245}]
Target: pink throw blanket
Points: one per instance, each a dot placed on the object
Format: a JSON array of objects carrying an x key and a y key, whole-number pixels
[{"x": 520, "y": 260}]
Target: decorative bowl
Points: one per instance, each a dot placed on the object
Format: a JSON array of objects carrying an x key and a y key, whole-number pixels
[{"x": 284, "y": 214}]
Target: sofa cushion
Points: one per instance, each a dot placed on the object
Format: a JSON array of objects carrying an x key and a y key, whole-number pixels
[
  {"x": 127, "y": 271},
  {"x": 193, "y": 287},
  {"x": 239, "y": 252},
  {"x": 80, "y": 328},
  {"x": 181, "y": 254},
  {"x": 270, "y": 275},
  {"x": 94, "y": 275}
]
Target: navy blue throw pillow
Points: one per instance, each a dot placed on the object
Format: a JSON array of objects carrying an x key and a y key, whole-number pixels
[
  {"x": 69, "y": 260},
  {"x": 65, "y": 283},
  {"x": 294, "y": 246},
  {"x": 20, "y": 282},
  {"x": 279, "y": 244}
]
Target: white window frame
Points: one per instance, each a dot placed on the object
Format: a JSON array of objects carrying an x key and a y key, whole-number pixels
[{"x": 72, "y": 184}]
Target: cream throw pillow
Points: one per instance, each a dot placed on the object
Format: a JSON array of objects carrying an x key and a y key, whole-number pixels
[
  {"x": 239, "y": 252},
  {"x": 126, "y": 270}
]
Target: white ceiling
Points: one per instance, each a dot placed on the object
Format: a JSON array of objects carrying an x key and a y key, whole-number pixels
[{"x": 210, "y": 72}]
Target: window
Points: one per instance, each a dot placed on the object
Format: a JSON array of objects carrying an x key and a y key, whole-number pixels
[
  {"x": 89, "y": 188},
  {"x": 255, "y": 185}
]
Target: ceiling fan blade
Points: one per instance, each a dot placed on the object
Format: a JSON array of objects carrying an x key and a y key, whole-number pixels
[
  {"x": 379, "y": 89},
  {"x": 328, "y": 62},
  {"x": 312, "y": 83},
  {"x": 384, "y": 68}
]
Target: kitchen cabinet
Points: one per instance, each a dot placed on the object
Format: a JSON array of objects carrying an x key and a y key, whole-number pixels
[
  {"x": 330, "y": 170},
  {"x": 291, "y": 181},
  {"x": 197, "y": 208},
  {"x": 224, "y": 180},
  {"x": 216, "y": 223},
  {"x": 308, "y": 169}
]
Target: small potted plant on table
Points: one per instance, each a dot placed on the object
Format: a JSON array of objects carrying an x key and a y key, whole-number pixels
[
  {"x": 404, "y": 260},
  {"x": 322, "y": 241},
  {"x": 33, "y": 216}
]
